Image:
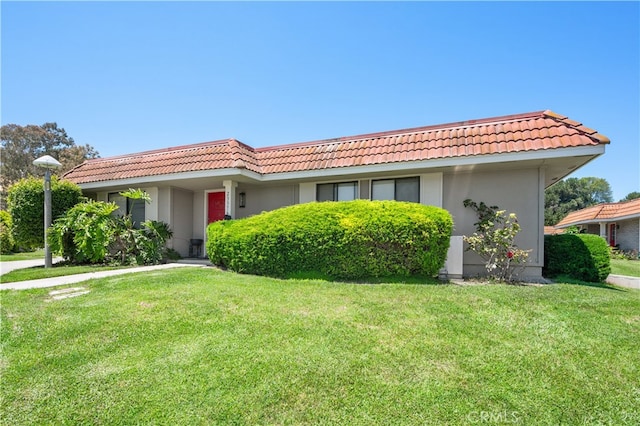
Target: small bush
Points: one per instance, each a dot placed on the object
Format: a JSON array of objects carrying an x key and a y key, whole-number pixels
[
  {"x": 347, "y": 240},
  {"x": 6, "y": 237},
  {"x": 581, "y": 256}
]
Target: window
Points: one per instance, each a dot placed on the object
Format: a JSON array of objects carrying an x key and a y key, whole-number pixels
[
  {"x": 405, "y": 189},
  {"x": 345, "y": 191},
  {"x": 126, "y": 206}
]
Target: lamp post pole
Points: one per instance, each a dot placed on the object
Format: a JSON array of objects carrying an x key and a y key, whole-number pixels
[
  {"x": 48, "y": 163},
  {"x": 47, "y": 217}
]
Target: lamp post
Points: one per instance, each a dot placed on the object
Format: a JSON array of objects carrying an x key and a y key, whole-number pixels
[{"x": 48, "y": 163}]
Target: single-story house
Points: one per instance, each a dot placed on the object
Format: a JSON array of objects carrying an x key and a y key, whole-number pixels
[
  {"x": 618, "y": 223},
  {"x": 506, "y": 161}
]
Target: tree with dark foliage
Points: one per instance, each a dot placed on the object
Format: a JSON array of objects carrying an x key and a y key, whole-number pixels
[
  {"x": 574, "y": 194},
  {"x": 20, "y": 145}
]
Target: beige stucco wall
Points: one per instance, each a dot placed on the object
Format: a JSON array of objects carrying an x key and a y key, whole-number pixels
[
  {"x": 520, "y": 191},
  {"x": 628, "y": 236},
  {"x": 197, "y": 224},
  {"x": 181, "y": 219},
  {"x": 517, "y": 191},
  {"x": 266, "y": 198}
]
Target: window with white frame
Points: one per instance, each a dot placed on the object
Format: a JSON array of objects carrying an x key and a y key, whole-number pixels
[
  {"x": 404, "y": 189},
  {"x": 343, "y": 191},
  {"x": 126, "y": 206}
]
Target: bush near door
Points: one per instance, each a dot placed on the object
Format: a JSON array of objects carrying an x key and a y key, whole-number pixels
[{"x": 348, "y": 240}]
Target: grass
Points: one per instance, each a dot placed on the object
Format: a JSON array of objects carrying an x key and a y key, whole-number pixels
[
  {"x": 30, "y": 255},
  {"x": 58, "y": 270},
  {"x": 630, "y": 268},
  {"x": 201, "y": 346}
]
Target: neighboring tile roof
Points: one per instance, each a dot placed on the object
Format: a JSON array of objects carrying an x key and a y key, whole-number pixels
[
  {"x": 605, "y": 212},
  {"x": 541, "y": 130},
  {"x": 552, "y": 230}
]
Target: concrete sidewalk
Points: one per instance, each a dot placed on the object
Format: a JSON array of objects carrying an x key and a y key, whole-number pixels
[
  {"x": 71, "y": 279},
  {"x": 624, "y": 281},
  {"x": 6, "y": 267}
]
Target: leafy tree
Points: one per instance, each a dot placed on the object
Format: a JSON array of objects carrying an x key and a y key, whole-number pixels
[
  {"x": 20, "y": 145},
  {"x": 631, "y": 196},
  {"x": 574, "y": 194},
  {"x": 26, "y": 206}
]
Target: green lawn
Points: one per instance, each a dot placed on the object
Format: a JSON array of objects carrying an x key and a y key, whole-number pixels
[
  {"x": 30, "y": 255},
  {"x": 57, "y": 270},
  {"x": 200, "y": 346},
  {"x": 630, "y": 268}
]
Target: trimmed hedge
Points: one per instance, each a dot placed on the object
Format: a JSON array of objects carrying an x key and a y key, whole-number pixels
[
  {"x": 25, "y": 202},
  {"x": 6, "y": 237},
  {"x": 346, "y": 240},
  {"x": 584, "y": 257}
]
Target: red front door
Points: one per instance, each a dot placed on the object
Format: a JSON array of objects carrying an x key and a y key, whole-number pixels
[
  {"x": 612, "y": 235},
  {"x": 215, "y": 206}
]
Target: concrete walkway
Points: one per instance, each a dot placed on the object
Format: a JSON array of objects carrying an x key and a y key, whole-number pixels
[
  {"x": 71, "y": 279},
  {"x": 624, "y": 281},
  {"x": 6, "y": 267}
]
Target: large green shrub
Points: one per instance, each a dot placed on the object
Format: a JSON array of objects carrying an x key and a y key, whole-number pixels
[
  {"x": 84, "y": 233},
  {"x": 90, "y": 233},
  {"x": 581, "y": 256},
  {"x": 25, "y": 202},
  {"x": 6, "y": 238},
  {"x": 347, "y": 240}
]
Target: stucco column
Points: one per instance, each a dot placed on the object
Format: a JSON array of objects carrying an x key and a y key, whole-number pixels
[
  {"x": 230, "y": 197},
  {"x": 603, "y": 230}
]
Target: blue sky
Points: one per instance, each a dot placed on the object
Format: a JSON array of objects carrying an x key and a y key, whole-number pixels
[{"x": 134, "y": 76}]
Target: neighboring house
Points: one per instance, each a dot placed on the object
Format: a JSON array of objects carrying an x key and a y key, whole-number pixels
[
  {"x": 505, "y": 161},
  {"x": 552, "y": 230},
  {"x": 618, "y": 223}
]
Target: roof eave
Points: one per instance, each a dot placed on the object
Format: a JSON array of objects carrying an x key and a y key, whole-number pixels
[
  {"x": 154, "y": 179},
  {"x": 451, "y": 162}
]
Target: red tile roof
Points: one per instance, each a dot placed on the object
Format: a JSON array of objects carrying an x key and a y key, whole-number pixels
[
  {"x": 605, "y": 212},
  {"x": 552, "y": 230},
  {"x": 542, "y": 130}
]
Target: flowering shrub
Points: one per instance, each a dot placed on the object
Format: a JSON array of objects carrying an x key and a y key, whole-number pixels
[{"x": 493, "y": 241}]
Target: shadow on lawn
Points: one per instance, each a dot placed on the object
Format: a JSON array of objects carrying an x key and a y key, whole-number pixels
[
  {"x": 414, "y": 279},
  {"x": 568, "y": 280}
]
